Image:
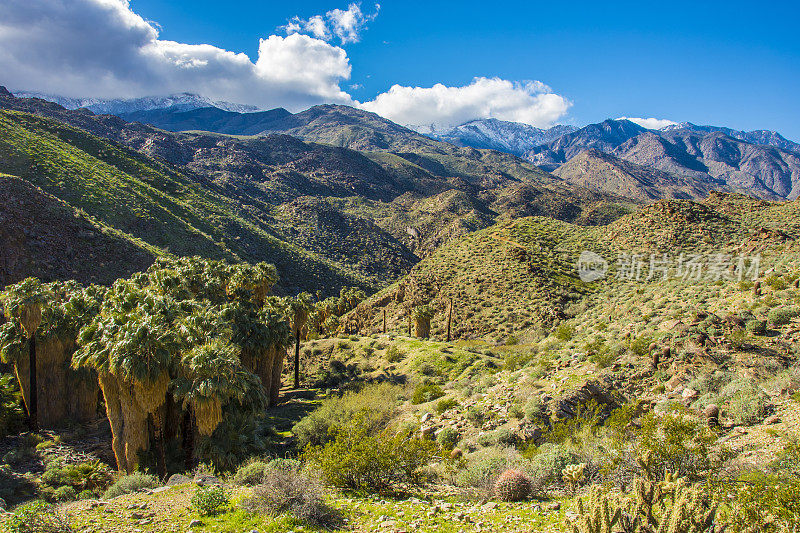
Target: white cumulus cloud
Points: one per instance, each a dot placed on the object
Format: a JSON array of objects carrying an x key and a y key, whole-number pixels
[
  {"x": 103, "y": 49},
  {"x": 345, "y": 24},
  {"x": 650, "y": 123},
  {"x": 440, "y": 106},
  {"x": 100, "y": 48}
]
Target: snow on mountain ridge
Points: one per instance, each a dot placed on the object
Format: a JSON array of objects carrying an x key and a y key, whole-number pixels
[
  {"x": 115, "y": 106},
  {"x": 512, "y": 137}
]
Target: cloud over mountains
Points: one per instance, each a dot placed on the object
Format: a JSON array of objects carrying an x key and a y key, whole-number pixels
[{"x": 101, "y": 48}]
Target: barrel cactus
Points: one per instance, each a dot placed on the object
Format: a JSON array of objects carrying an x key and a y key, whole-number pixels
[{"x": 512, "y": 486}]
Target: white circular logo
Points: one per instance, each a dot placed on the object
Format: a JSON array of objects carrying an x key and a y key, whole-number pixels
[{"x": 591, "y": 266}]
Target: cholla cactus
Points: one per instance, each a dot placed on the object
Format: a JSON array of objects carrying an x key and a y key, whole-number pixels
[
  {"x": 512, "y": 486},
  {"x": 598, "y": 515},
  {"x": 573, "y": 475},
  {"x": 670, "y": 506}
]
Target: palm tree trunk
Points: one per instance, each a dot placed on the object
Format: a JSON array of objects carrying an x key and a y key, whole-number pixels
[
  {"x": 33, "y": 411},
  {"x": 297, "y": 360}
]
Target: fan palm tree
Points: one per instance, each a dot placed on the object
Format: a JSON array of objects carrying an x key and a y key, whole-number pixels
[{"x": 23, "y": 303}]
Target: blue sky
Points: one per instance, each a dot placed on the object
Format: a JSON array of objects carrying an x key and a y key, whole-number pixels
[{"x": 728, "y": 63}]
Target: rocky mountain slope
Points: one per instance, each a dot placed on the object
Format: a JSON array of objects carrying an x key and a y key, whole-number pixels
[
  {"x": 605, "y": 172},
  {"x": 710, "y": 156}
]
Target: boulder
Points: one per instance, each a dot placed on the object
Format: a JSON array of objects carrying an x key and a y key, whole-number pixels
[{"x": 178, "y": 479}]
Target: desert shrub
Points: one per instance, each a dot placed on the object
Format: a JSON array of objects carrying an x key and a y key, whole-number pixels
[
  {"x": 780, "y": 316},
  {"x": 640, "y": 346},
  {"x": 37, "y": 517},
  {"x": 535, "y": 409},
  {"x": 394, "y": 355},
  {"x": 282, "y": 491},
  {"x": 564, "y": 332},
  {"x": 481, "y": 469},
  {"x": 209, "y": 500},
  {"x": 10, "y": 411},
  {"x": 763, "y": 503},
  {"x": 677, "y": 442},
  {"x": 549, "y": 460},
  {"x": 777, "y": 283},
  {"x": 448, "y": 438},
  {"x": 426, "y": 392},
  {"x": 746, "y": 403},
  {"x": 88, "y": 475},
  {"x": 476, "y": 416},
  {"x": 131, "y": 483},
  {"x": 64, "y": 494},
  {"x": 756, "y": 327},
  {"x": 711, "y": 382},
  {"x": 505, "y": 437},
  {"x": 361, "y": 459},
  {"x": 250, "y": 473},
  {"x": 444, "y": 404},
  {"x": 375, "y": 405}
]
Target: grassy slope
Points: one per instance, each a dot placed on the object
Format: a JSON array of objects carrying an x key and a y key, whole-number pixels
[{"x": 149, "y": 201}]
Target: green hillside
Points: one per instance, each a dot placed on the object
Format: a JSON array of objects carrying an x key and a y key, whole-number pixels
[{"x": 146, "y": 200}]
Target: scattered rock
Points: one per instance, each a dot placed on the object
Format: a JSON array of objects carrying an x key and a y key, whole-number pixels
[
  {"x": 554, "y": 506},
  {"x": 689, "y": 394},
  {"x": 427, "y": 432},
  {"x": 205, "y": 480},
  {"x": 425, "y": 417},
  {"x": 774, "y": 419},
  {"x": 195, "y": 523}
]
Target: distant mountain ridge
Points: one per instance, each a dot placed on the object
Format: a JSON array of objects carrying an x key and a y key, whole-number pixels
[{"x": 117, "y": 106}]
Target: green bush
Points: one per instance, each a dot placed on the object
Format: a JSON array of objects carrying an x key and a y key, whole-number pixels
[
  {"x": 250, "y": 473},
  {"x": 37, "y": 517},
  {"x": 444, "y": 404},
  {"x": 763, "y": 503},
  {"x": 394, "y": 355},
  {"x": 746, "y": 403},
  {"x": 426, "y": 392},
  {"x": 756, "y": 327},
  {"x": 677, "y": 442},
  {"x": 375, "y": 403},
  {"x": 89, "y": 475},
  {"x": 481, "y": 469},
  {"x": 10, "y": 412},
  {"x": 548, "y": 461},
  {"x": 209, "y": 500},
  {"x": 780, "y": 316},
  {"x": 131, "y": 483},
  {"x": 448, "y": 438},
  {"x": 564, "y": 332},
  {"x": 360, "y": 459},
  {"x": 65, "y": 494}
]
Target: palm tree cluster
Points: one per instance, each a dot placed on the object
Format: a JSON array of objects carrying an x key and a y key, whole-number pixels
[
  {"x": 182, "y": 346},
  {"x": 39, "y": 338}
]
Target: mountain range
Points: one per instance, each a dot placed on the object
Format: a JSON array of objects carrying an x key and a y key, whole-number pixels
[
  {"x": 345, "y": 198},
  {"x": 690, "y": 159}
]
